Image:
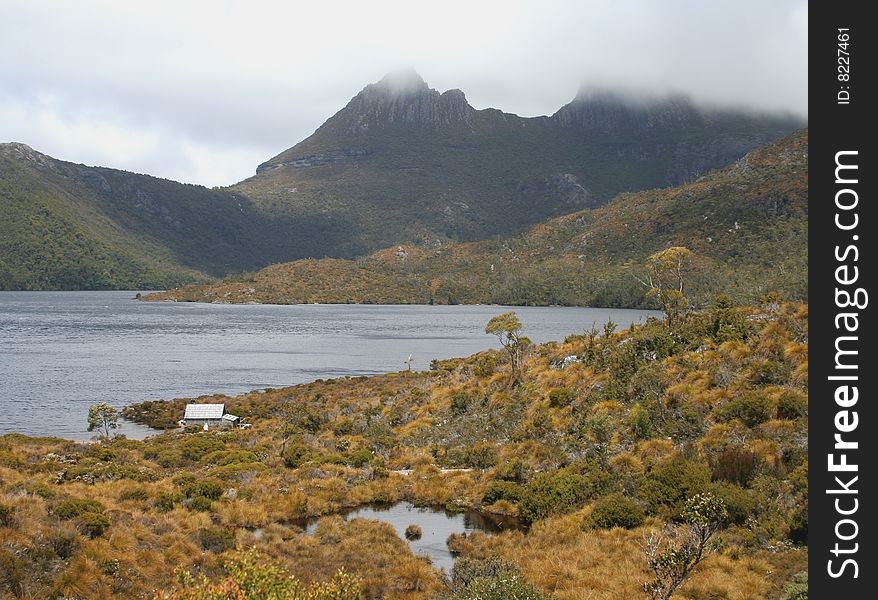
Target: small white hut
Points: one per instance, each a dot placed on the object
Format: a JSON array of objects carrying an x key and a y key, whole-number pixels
[{"x": 208, "y": 415}]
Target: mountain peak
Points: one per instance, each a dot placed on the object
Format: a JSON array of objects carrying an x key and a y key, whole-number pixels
[
  {"x": 402, "y": 97},
  {"x": 21, "y": 151},
  {"x": 401, "y": 82},
  {"x": 598, "y": 110}
]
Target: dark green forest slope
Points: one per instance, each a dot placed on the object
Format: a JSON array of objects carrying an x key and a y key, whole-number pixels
[{"x": 746, "y": 225}]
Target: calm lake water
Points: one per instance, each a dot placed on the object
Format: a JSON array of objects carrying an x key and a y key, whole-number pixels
[
  {"x": 436, "y": 525},
  {"x": 61, "y": 351}
]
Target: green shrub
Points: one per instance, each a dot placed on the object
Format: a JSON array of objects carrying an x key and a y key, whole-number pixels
[
  {"x": 511, "y": 587},
  {"x": 237, "y": 470},
  {"x": 669, "y": 482},
  {"x": 6, "y": 516},
  {"x": 616, "y": 510},
  {"x": 296, "y": 454},
  {"x": 560, "y": 397},
  {"x": 10, "y": 460},
  {"x": 200, "y": 504},
  {"x": 553, "y": 493},
  {"x": 165, "y": 502},
  {"x": 735, "y": 465},
  {"x": 13, "y": 573},
  {"x": 751, "y": 408},
  {"x": 502, "y": 490},
  {"x": 41, "y": 490},
  {"x": 199, "y": 445},
  {"x": 184, "y": 479},
  {"x": 468, "y": 569},
  {"x": 172, "y": 457},
  {"x": 740, "y": 503},
  {"x": 796, "y": 588},
  {"x": 64, "y": 543},
  {"x": 135, "y": 494},
  {"x": 222, "y": 458},
  {"x": 205, "y": 488},
  {"x": 514, "y": 470},
  {"x": 74, "y": 507},
  {"x": 769, "y": 372},
  {"x": 640, "y": 422},
  {"x": 93, "y": 524},
  {"x": 459, "y": 404},
  {"x": 359, "y": 458},
  {"x": 791, "y": 406},
  {"x": 215, "y": 539}
]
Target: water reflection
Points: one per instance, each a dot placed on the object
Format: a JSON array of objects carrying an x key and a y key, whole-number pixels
[{"x": 436, "y": 525}]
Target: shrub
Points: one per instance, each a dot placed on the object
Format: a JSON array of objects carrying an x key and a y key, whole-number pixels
[
  {"x": 41, "y": 490},
  {"x": 468, "y": 569},
  {"x": 13, "y": 573},
  {"x": 640, "y": 422},
  {"x": 413, "y": 532},
  {"x": 740, "y": 503},
  {"x": 672, "y": 480},
  {"x": 200, "y": 504},
  {"x": 200, "y": 445},
  {"x": 135, "y": 494},
  {"x": 74, "y": 507},
  {"x": 252, "y": 576},
  {"x": 184, "y": 479},
  {"x": 791, "y": 406},
  {"x": 6, "y": 516},
  {"x": 296, "y": 454},
  {"x": 169, "y": 458},
  {"x": 64, "y": 543},
  {"x": 511, "y": 588},
  {"x": 222, "y": 458},
  {"x": 165, "y": 502},
  {"x": 553, "y": 493},
  {"x": 615, "y": 510},
  {"x": 93, "y": 524},
  {"x": 502, "y": 490},
  {"x": 751, "y": 408},
  {"x": 735, "y": 465},
  {"x": 215, "y": 539},
  {"x": 459, "y": 404},
  {"x": 796, "y": 588},
  {"x": 560, "y": 397},
  {"x": 359, "y": 458},
  {"x": 514, "y": 470},
  {"x": 211, "y": 489}
]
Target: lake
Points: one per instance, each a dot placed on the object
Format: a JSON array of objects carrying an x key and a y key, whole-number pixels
[
  {"x": 62, "y": 351},
  {"x": 436, "y": 524}
]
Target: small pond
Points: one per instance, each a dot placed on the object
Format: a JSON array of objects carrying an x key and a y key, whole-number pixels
[{"x": 436, "y": 525}]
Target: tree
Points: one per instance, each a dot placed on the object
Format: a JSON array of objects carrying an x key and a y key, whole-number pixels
[
  {"x": 103, "y": 417},
  {"x": 666, "y": 274},
  {"x": 507, "y": 328},
  {"x": 674, "y": 554}
]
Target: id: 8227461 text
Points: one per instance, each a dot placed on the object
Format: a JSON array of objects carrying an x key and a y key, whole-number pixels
[{"x": 844, "y": 66}]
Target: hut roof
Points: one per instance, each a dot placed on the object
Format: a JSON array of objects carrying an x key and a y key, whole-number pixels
[{"x": 204, "y": 411}]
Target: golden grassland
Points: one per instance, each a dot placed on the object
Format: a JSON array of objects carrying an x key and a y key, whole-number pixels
[{"x": 650, "y": 414}]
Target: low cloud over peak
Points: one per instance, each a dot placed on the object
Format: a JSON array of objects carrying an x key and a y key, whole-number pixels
[{"x": 206, "y": 104}]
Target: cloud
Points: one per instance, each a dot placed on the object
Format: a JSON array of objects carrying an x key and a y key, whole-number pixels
[{"x": 186, "y": 90}]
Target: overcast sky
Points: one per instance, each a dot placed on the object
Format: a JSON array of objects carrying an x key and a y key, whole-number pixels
[{"x": 203, "y": 92}]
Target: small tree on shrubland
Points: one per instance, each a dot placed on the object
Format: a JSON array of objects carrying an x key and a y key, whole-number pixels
[
  {"x": 103, "y": 418},
  {"x": 507, "y": 328},
  {"x": 666, "y": 274},
  {"x": 673, "y": 554}
]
